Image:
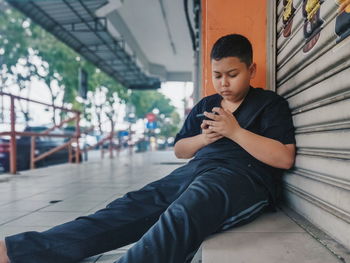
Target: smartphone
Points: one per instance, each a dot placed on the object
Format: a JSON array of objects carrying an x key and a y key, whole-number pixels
[{"x": 201, "y": 115}]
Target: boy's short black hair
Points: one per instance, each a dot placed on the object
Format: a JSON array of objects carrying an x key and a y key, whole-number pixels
[{"x": 233, "y": 45}]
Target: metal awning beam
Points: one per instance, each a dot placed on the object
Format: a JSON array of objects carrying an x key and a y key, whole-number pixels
[
  {"x": 98, "y": 25},
  {"x": 106, "y": 50}
]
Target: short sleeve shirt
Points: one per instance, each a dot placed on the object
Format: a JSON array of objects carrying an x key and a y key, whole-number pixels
[{"x": 262, "y": 112}]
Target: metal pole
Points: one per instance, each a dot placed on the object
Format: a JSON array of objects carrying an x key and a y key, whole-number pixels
[
  {"x": 129, "y": 140},
  {"x": 77, "y": 134},
  {"x": 13, "y": 150},
  {"x": 2, "y": 116},
  {"x": 70, "y": 153},
  {"x": 32, "y": 152},
  {"x": 111, "y": 140}
]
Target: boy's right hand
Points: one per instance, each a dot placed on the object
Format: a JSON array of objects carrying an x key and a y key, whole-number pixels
[{"x": 209, "y": 135}]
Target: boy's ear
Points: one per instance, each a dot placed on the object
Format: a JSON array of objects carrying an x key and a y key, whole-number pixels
[{"x": 252, "y": 70}]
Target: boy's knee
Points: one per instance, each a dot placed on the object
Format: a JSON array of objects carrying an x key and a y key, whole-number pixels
[
  {"x": 212, "y": 186},
  {"x": 201, "y": 199}
]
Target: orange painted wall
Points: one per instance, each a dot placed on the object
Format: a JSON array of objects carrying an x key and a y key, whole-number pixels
[{"x": 222, "y": 17}]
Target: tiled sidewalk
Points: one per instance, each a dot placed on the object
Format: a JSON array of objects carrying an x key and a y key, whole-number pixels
[{"x": 28, "y": 201}]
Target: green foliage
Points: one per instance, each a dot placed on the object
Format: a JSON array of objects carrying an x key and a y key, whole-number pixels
[
  {"x": 14, "y": 53},
  {"x": 13, "y": 38},
  {"x": 98, "y": 79},
  {"x": 147, "y": 100},
  {"x": 62, "y": 63},
  {"x": 170, "y": 126}
]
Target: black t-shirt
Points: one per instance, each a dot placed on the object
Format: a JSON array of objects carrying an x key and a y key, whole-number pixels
[{"x": 262, "y": 112}]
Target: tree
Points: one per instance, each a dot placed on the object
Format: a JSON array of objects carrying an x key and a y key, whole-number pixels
[
  {"x": 14, "y": 35},
  {"x": 16, "y": 64},
  {"x": 169, "y": 126},
  {"x": 147, "y": 100},
  {"x": 60, "y": 68},
  {"x": 105, "y": 96}
]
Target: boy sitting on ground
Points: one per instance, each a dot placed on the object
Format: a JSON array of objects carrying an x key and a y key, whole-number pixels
[{"x": 238, "y": 153}]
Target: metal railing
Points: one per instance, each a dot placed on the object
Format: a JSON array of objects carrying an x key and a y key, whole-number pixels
[
  {"x": 73, "y": 138},
  {"x": 33, "y": 159},
  {"x": 109, "y": 137}
]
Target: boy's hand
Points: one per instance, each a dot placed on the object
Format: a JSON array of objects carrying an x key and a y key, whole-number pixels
[
  {"x": 209, "y": 136},
  {"x": 224, "y": 123}
]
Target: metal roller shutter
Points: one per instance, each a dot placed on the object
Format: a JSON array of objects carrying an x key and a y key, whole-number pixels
[{"x": 313, "y": 74}]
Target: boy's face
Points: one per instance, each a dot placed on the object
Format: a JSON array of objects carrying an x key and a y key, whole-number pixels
[{"x": 231, "y": 77}]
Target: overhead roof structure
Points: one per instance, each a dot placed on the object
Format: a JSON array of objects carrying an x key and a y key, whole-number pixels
[{"x": 139, "y": 43}]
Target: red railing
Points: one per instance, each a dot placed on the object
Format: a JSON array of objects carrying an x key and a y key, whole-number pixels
[
  {"x": 73, "y": 138},
  {"x": 13, "y": 133},
  {"x": 109, "y": 138}
]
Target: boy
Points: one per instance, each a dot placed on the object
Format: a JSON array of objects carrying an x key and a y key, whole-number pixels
[{"x": 238, "y": 153}]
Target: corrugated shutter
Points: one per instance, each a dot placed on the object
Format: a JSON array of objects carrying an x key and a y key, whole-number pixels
[{"x": 313, "y": 74}]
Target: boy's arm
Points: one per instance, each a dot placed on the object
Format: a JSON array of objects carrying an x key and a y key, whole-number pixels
[
  {"x": 187, "y": 147},
  {"x": 266, "y": 150}
]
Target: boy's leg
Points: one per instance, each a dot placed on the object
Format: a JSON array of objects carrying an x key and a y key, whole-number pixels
[
  {"x": 122, "y": 222},
  {"x": 214, "y": 201}
]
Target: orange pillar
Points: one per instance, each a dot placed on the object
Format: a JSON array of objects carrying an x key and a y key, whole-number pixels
[{"x": 222, "y": 17}]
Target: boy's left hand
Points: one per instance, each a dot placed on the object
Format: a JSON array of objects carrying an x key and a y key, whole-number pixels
[{"x": 224, "y": 123}]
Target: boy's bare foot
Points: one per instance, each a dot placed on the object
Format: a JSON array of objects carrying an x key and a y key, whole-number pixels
[{"x": 3, "y": 253}]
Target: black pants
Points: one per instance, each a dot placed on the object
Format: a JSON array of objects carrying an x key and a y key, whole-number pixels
[{"x": 168, "y": 219}]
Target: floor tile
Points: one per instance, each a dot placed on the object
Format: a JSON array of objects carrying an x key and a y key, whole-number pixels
[
  {"x": 270, "y": 222},
  {"x": 6, "y": 216},
  {"x": 45, "y": 219},
  {"x": 25, "y": 205},
  {"x": 261, "y": 247},
  {"x": 12, "y": 230}
]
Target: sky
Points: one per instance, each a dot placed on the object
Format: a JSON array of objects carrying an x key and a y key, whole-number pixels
[{"x": 177, "y": 91}]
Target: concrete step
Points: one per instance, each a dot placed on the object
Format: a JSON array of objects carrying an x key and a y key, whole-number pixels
[{"x": 272, "y": 238}]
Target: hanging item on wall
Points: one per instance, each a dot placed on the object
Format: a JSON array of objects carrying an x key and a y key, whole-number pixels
[
  {"x": 288, "y": 15},
  {"x": 342, "y": 22},
  {"x": 312, "y": 23}
]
